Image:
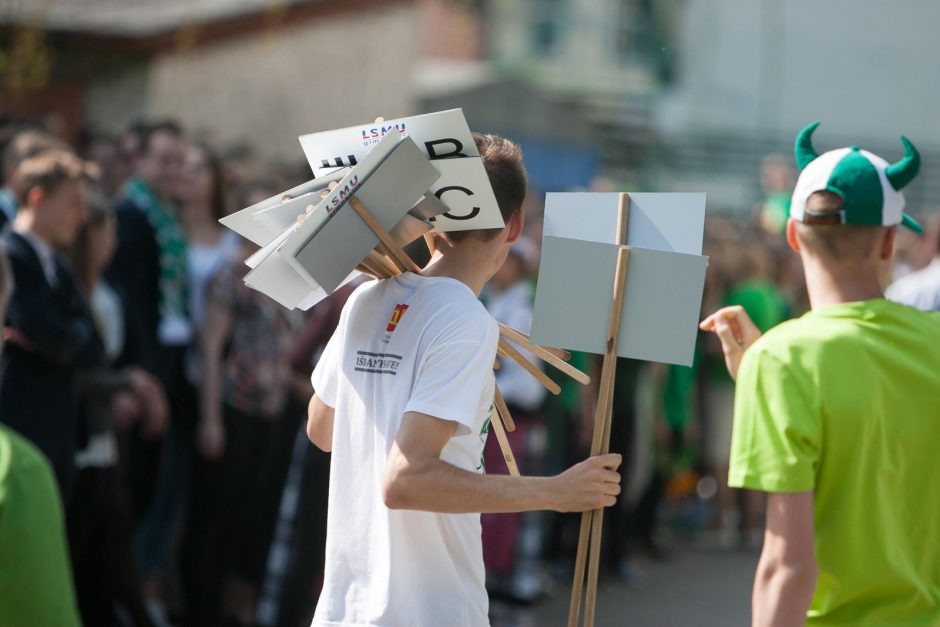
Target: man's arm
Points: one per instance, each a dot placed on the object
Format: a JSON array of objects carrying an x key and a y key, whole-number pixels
[
  {"x": 416, "y": 478},
  {"x": 786, "y": 573},
  {"x": 320, "y": 424}
]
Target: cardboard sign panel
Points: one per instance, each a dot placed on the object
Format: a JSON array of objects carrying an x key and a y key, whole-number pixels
[
  {"x": 332, "y": 240},
  {"x": 441, "y": 135},
  {"x": 660, "y": 221},
  {"x": 265, "y": 220},
  {"x": 446, "y": 140},
  {"x": 661, "y": 305},
  {"x": 465, "y": 188}
]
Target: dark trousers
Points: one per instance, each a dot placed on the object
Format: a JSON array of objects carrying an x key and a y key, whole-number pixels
[
  {"x": 99, "y": 530},
  {"x": 232, "y": 510}
]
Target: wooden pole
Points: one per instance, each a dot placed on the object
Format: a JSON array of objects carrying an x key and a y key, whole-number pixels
[
  {"x": 497, "y": 423},
  {"x": 544, "y": 354},
  {"x": 531, "y": 368},
  {"x": 592, "y": 521}
]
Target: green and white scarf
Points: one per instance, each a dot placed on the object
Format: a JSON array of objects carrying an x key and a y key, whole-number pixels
[{"x": 175, "y": 327}]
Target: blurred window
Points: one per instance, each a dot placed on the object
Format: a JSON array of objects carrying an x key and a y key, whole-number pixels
[{"x": 547, "y": 24}]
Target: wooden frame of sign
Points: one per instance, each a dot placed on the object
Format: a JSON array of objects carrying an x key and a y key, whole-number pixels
[{"x": 390, "y": 260}]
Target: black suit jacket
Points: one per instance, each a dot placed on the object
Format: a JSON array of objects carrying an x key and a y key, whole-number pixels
[
  {"x": 37, "y": 384},
  {"x": 135, "y": 273}
]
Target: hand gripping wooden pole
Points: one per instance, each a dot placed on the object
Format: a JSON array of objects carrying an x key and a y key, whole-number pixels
[{"x": 592, "y": 521}]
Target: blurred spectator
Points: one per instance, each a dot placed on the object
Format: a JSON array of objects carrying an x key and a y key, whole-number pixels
[
  {"x": 294, "y": 571},
  {"x": 777, "y": 182},
  {"x": 510, "y": 561},
  {"x": 209, "y": 245},
  {"x": 104, "y": 152},
  {"x": 50, "y": 333},
  {"x": 921, "y": 288},
  {"x": 245, "y": 341},
  {"x": 100, "y": 521},
  {"x": 24, "y": 144},
  {"x": 149, "y": 270},
  {"x": 35, "y": 582},
  {"x": 749, "y": 268}
]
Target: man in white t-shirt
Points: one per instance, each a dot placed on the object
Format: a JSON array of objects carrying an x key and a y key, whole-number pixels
[{"x": 403, "y": 399}]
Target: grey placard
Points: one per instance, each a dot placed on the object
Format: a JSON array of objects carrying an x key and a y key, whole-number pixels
[
  {"x": 388, "y": 192},
  {"x": 660, "y": 221},
  {"x": 661, "y": 303}
]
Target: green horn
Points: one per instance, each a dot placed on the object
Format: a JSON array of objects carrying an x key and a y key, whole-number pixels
[
  {"x": 903, "y": 172},
  {"x": 804, "y": 146}
]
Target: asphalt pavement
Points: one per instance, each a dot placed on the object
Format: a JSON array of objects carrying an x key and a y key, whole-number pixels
[{"x": 693, "y": 587}]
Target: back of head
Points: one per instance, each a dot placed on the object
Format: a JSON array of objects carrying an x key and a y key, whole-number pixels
[
  {"x": 25, "y": 144},
  {"x": 48, "y": 170},
  {"x": 824, "y": 236},
  {"x": 502, "y": 159},
  {"x": 843, "y": 198}
]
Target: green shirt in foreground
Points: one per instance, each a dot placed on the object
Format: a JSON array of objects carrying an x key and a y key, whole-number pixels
[
  {"x": 845, "y": 402},
  {"x": 35, "y": 577}
]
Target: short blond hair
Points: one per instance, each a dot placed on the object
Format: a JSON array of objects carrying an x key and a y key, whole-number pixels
[
  {"x": 824, "y": 234},
  {"x": 48, "y": 170}
]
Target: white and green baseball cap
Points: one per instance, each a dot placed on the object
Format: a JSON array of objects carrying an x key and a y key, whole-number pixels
[{"x": 869, "y": 186}]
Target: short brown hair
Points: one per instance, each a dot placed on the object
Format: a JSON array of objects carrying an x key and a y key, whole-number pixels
[
  {"x": 502, "y": 159},
  {"x": 27, "y": 143},
  {"x": 48, "y": 170},
  {"x": 827, "y": 236}
]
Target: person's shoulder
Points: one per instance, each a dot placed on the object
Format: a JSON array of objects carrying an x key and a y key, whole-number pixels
[{"x": 456, "y": 313}]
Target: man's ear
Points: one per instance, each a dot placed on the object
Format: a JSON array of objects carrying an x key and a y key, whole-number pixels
[
  {"x": 887, "y": 243},
  {"x": 35, "y": 196},
  {"x": 791, "y": 235},
  {"x": 514, "y": 227}
]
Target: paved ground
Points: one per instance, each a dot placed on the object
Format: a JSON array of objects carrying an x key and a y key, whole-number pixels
[{"x": 695, "y": 587}]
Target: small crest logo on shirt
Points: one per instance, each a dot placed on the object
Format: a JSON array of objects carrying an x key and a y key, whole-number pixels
[{"x": 396, "y": 317}]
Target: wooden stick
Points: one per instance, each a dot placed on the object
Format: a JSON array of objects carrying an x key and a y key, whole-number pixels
[
  {"x": 497, "y": 423},
  {"x": 512, "y": 334},
  {"x": 546, "y": 355},
  {"x": 592, "y": 522},
  {"x": 504, "y": 411},
  {"x": 608, "y": 371},
  {"x": 587, "y": 531},
  {"x": 532, "y": 369},
  {"x": 381, "y": 261},
  {"x": 394, "y": 250}
]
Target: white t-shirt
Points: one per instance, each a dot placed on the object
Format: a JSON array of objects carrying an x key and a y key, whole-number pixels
[{"x": 409, "y": 343}]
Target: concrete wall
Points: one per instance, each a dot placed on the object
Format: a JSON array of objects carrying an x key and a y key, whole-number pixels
[
  {"x": 868, "y": 69},
  {"x": 267, "y": 88}
]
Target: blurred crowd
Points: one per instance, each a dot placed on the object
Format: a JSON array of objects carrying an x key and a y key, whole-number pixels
[{"x": 169, "y": 399}]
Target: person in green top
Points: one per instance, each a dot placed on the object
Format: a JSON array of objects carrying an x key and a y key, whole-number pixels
[
  {"x": 35, "y": 576},
  {"x": 837, "y": 414}
]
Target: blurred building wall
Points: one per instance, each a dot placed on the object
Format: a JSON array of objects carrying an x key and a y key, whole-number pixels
[
  {"x": 266, "y": 88},
  {"x": 765, "y": 65}
]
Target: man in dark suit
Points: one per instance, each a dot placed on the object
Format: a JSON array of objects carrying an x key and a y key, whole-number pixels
[{"x": 49, "y": 331}]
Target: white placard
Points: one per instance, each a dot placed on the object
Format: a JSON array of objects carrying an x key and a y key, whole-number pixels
[
  {"x": 661, "y": 221},
  {"x": 446, "y": 140},
  {"x": 661, "y": 303}
]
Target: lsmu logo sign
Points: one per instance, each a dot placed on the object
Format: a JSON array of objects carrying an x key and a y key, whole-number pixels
[
  {"x": 374, "y": 135},
  {"x": 396, "y": 317}
]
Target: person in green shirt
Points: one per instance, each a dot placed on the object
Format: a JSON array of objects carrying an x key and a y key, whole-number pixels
[{"x": 837, "y": 415}]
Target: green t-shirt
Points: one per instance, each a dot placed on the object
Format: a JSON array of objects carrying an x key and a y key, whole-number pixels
[
  {"x": 35, "y": 577},
  {"x": 845, "y": 402}
]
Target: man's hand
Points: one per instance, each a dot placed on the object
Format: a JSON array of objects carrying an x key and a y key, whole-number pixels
[
  {"x": 592, "y": 484},
  {"x": 156, "y": 414},
  {"x": 210, "y": 438},
  {"x": 15, "y": 337},
  {"x": 736, "y": 332}
]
